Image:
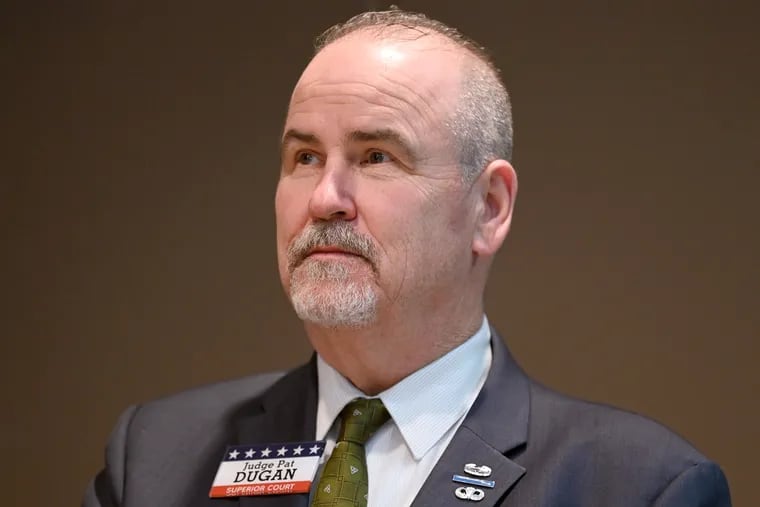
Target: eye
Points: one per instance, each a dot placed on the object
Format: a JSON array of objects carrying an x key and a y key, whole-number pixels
[
  {"x": 306, "y": 158},
  {"x": 377, "y": 157}
]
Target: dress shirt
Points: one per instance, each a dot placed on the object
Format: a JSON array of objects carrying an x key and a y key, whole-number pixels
[{"x": 426, "y": 409}]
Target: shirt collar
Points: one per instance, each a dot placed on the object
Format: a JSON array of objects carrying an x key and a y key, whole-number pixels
[{"x": 424, "y": 405}]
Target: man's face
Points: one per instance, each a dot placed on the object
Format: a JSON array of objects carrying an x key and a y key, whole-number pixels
[{"x": 372, "y": 214}]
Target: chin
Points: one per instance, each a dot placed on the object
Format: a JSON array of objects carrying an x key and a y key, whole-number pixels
[{"x": 333, "y": 305}]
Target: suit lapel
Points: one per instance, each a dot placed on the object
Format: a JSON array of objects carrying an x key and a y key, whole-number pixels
[
  {"x": 287, "y": 413},
  {"x": 496, "y": 424}
]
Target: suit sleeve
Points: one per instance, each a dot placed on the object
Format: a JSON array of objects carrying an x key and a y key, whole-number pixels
[
  {"x": 700, "y": 485},
  {"x": 107, "y": 488}
]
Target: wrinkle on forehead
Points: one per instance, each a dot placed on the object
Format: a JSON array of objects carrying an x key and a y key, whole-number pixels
[{"x": 386, "y": 99}]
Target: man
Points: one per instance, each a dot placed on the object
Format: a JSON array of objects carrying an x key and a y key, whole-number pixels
[{"x": 396, "y": 192}]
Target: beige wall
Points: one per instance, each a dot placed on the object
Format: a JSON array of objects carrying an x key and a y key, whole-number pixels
[{"x": 139, "y": 162}]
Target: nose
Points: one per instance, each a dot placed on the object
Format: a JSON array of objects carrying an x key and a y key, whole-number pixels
[{"x": 332, "y": 198}]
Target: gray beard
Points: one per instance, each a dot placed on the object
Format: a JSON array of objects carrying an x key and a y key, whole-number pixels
[{"x": 325, "y": 294}]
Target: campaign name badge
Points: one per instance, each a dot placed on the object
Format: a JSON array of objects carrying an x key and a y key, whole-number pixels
[{"x": 267, "y": 469}]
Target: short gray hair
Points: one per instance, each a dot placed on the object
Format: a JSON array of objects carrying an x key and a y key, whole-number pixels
[{"x": 482, "y": 122}]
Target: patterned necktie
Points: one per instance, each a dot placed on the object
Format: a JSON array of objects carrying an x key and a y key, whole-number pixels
[{"x": 344, "y": 480}]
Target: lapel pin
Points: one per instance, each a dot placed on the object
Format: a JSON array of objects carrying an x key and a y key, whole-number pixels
[
  {"x": 468, "y": 493},
  {"x": 477, "y": 470},
  {"x": 474, "y": 482}
]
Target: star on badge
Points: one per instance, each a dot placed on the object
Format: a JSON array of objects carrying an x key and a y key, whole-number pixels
[
  {"x": 281, "y": 451},
  {"x": 234, "y": 454},
  {"x": 266, "y": 452},
  {"x": 249, "y": 453},
  {"x": 314, "y": 449},
  {"x": 297, "y": 451}
]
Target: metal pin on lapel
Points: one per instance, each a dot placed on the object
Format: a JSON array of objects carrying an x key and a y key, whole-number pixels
[
  {"x": 475, "y": 482},
  {"x": 477, "y": 470},
  {"x": 471, "y": 494}
]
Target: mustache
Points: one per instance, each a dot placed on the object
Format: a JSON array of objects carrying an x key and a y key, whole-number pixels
[{"x": 331, "y": 234}]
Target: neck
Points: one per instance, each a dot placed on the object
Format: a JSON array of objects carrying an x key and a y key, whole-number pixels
[{"x": 378, "y": 356}]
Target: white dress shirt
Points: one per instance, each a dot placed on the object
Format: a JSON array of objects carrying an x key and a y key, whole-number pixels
[{"x": 426, "y": 409}]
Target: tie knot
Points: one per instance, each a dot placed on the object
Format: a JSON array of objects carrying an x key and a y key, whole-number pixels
[{"x": 361, "y": 418}]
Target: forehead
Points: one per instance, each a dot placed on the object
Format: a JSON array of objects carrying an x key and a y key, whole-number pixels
[{"x": 414, "y": 80}]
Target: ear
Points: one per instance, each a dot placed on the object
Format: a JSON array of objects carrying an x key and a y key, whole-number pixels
[{"x": 497, "y": 187}]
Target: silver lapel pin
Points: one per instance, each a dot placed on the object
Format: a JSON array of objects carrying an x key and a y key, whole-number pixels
[
  {"x": 469, "y": 493},
  {"x": 477, "y": 470}
]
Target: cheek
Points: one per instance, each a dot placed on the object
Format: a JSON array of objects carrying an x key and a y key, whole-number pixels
[
  {"x": 291, "y": 209},
  {"x": 441, "y": 234},
  {"x": 403, "y": 217},
  {"x": 402, "y": 224},
  {"x": 290, "y": 215}
]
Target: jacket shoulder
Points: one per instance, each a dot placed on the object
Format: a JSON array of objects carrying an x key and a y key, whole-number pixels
[
  {"x": 613, "y": 452},
  {"x": 558, "y": 419},
  {"x": 171, "y": 439},
  {"x": 204, "y": 405}
]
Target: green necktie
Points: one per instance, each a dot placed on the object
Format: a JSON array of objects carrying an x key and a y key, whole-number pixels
[{"x": 344, "y": 480}]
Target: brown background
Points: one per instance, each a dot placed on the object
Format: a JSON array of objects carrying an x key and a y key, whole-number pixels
[{"x": 139, "y": 156}]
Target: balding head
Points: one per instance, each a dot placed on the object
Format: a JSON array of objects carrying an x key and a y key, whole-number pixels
[{"x": 481, "y": 121}]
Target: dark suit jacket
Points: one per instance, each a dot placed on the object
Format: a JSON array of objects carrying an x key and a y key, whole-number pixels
[{"x": 545, "y": 449}]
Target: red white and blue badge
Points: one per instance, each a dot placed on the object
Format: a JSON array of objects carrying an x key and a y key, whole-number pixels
[{"x": 267, "y": 469}]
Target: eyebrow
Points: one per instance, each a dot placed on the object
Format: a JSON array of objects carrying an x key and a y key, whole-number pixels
[
  {"x": 382, "y": 135},
  {"x": 297, "y": 135},
  {"x": 376, "y": 135}
]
